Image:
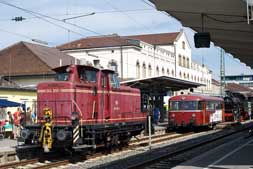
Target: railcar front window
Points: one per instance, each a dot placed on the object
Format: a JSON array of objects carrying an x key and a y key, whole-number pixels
[
  {"x": 214, "y": 105},
  {"x": 62, "y": 76},
  {"x": 185, "y": 105}
]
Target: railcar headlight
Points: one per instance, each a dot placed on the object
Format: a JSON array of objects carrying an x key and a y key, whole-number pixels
[
  {"x": 173, "y": 115},
  {"x": 193, "y": 115}
]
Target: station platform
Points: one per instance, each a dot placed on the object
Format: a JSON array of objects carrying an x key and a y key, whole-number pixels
[
  {"x": 7, "y": 150},
  {"x": 7, "y": 145},
  {"x": 233, "y": 155}
]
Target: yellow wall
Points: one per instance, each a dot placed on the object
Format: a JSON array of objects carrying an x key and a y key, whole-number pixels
[{"x": 17, "y": 95}]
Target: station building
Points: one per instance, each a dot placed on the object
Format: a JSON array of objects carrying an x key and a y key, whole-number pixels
[
  {"x": 142, "y": 56},
  {"x": 244, "y": 80}
]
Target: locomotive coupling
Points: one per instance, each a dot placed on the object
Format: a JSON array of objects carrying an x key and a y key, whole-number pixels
[{"x": 46, "y": 138}]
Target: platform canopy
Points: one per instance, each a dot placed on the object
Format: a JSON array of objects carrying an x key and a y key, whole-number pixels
[
  {"x": 161, "y": 84},
  {"x": 226, "y": 20},
  {"x": 7, "y": 103}
]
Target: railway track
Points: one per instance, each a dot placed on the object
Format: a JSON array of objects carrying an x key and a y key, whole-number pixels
[
  {"x": 18, "y": 164},
  {"x": 139, "y": 142},
  {"x": 134, "y": 145},
  {"x": 162, "y": 158},
  {"x": 168, "y": 151}
]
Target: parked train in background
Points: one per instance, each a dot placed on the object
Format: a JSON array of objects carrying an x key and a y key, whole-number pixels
[
  {"x": 85, "y": 107},
  {"x": 195, "y": 110},
  {"x": 237, "y": 107}
]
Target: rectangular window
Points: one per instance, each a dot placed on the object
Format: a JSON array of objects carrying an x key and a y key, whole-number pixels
[{"x": 186, "y": 105}]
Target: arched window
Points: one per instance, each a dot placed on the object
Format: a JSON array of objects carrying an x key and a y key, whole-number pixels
[
  {"x": 149, "y": 70},
  {"x": 168, "y": 72},
  {"x": 180, "y": 74},
  {"x": 188, "y": 76},
  {"x": 180, "y": 60},
  {"x": 188, "y": 63},
  {"x": 184, "y": 62},
  {"x": 183, "y": 44},
  {"x": 113, "y": 65},
  {"x": 184, "y": 76},
  {"x": 163, "y": 71},
  {"x": 138, "y": 69},
  {"x": 172, "y": 72},
  {"x": 157, "y": 71},
  {"x": 144, "y": 70}
]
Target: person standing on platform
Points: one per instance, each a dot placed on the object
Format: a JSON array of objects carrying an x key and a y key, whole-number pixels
[
  {"x": 34, "y": 117},
  {"x": 28, "y": 116},
  {"x": 156, "y": 114},
  {"x": 9, "y": 125},
  {"x": 17, "y": 118}
]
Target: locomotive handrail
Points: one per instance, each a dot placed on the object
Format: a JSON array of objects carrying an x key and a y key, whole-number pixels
[{"x": 80, "y": 113}]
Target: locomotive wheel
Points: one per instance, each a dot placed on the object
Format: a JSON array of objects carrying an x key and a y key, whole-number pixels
[
  {"x": 28, "y": 154},
  {"x": 124, "y": 141}
]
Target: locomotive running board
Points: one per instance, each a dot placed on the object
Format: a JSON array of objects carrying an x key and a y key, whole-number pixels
[
  {"x": 85, "y": 146},
  {"x": 27, "y": 147}
]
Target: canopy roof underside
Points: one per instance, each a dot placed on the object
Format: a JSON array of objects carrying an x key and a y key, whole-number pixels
[{"x": 226, "y": 20}]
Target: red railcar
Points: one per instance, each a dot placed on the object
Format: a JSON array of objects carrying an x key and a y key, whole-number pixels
[
  {"x": 83, "y": 108},
  {"x": 195, "y": 110}
]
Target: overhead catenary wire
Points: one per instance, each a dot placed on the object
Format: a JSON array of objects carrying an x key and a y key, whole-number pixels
[
  {"x": 43, "y": 16},
  {"x": 38, "y": 15},
  {"x": 131, "y": 18},
  {"x": 77, "y": 14}
]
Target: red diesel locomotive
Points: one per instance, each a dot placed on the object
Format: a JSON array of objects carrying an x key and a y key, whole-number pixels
[
  {"x": 195, "y": 110},
  {"x": 83, "y": 108}
]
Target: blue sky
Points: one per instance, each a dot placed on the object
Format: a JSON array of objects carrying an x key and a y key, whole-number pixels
[{"x": 124, "y": 17}]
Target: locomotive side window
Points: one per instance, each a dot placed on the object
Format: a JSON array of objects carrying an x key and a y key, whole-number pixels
[
  {"x": 62, "y": 76},
  {"x": 114, "y": 81}
]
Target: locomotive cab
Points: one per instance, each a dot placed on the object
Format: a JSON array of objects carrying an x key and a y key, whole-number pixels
[{"x": 82, "y": 108}]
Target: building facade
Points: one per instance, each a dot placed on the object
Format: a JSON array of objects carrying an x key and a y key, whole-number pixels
[
  {"x": 142, "y": 56},
  {"x": 244, "y": 80}
]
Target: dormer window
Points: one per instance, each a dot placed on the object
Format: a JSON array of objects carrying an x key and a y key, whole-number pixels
[{"x": 183, "y": 44}]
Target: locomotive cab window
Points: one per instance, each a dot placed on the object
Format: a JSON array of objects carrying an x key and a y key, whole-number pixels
[
  {"x": 87, "y": 75},
  {"x": 114, "y": 81},
  {"x": 62, "y": 76}
]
